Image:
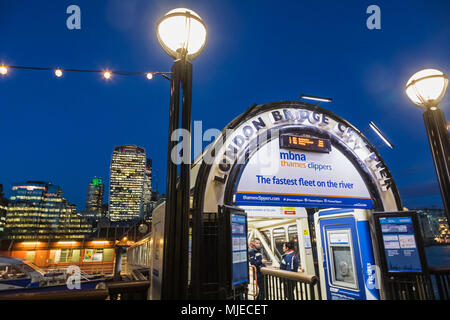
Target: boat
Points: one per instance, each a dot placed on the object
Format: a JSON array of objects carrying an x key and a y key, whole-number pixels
[{"x": 20, "y": 276}]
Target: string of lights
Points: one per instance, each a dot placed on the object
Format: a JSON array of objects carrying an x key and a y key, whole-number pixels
[{"x": 107, "y": 74}]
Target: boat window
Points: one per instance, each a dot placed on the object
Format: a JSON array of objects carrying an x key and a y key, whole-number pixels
[
  {"x": 51, "y": 257},
  {"x": 267, "y": 238},
  {"x": 64, "y": 255},
  {"x": 279, "y": 236},
  {"x": 11, "y": 273},
  {"x": 75, "y": 255},
  {"x": 30, "y": 256},
  {"x": 3, "y": 272},
  {"x": 108, "y": 254},
  {"x": 98, "y": 255},
  {"x": 293, "y": 236},
  {"x": 27, "y": 268}
]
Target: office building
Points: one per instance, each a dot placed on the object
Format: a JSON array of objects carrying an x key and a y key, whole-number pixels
[
  {"x": 127, "y": 183},
  {"x": 94, "y": 199},
  {"x": 38, "y": 211}
]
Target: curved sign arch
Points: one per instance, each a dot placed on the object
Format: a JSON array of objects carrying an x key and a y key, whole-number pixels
[{"x": 351, "y": 174}]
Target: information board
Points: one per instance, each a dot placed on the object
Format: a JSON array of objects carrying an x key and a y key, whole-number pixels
[
  {"x": 305, "y": 143},
  {"x": 403, "y": 251},
  {"x": 239, "y": 248}
]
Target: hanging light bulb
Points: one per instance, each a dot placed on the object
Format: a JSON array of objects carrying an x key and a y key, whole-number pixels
[
  {"x": 58, "y": 73},
  {"x": 3, "y": 70},
  {"x": 107, "y": 74},
  {"x": 149, "y": 76}
]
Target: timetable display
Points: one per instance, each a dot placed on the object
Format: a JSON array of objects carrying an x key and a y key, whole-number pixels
[
  {"x": 239, "y": 249},
  {"x": 400, "y": 247},
  {"x": 305, "y": 143}
]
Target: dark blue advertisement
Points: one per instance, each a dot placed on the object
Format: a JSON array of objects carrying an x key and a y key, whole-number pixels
[
  {"x": 239, "y": 249},
  {"x": 400, "y": 246}
]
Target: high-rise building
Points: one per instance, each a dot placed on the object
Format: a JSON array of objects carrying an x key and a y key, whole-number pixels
[
  {"x": 126, "y": 188},
  {"x": 147, "y": 196},
  {"x": 3, "y": 211},
  {"x": 38, "y": 211},
  {"x": 94, "y": 200}
]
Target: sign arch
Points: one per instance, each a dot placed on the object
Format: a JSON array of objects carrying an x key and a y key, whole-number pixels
[{"x": 216, "y": 180}]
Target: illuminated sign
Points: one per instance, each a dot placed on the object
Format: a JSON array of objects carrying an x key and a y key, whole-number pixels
[
  {"x": 97, "y": 181},
  {"x": 304, "y": 143},
  {"x": 399, "y": 238}
]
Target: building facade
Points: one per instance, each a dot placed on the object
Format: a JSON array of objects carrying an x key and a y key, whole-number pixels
[
  {"x": 3, "y": 211},
  {"x": 126, "y": 193},
  {"x": 147, "y": 193},
  {"x": 94, "y": 199},
  {"x": 434, "y": 225},
  {"x": 91, "y": 255},
  {"x": 38, "y": 211}
]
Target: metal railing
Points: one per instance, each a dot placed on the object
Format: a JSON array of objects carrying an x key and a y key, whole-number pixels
[
  {"x": 116, "y": 290},
  {"x": 288, "y": 285},
  {"x": 434, "y": 285},
  {"x": 440, "y": 278}
]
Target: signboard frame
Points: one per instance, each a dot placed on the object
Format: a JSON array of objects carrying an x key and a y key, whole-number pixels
[
  {"x": 226, "y": 213},
  {"x": 417, "y": 238}
]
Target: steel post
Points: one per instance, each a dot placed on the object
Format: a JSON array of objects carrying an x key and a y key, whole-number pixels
[{"x": 437, "y": 132}]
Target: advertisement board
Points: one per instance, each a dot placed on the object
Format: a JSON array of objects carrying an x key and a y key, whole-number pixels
[{"x": 283, "y": 177}]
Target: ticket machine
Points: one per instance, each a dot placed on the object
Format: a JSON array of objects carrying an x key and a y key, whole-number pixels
[{"x": 345, "y": 255}]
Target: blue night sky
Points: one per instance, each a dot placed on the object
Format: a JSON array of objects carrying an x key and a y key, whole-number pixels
[{"x": 64, "y": 130}]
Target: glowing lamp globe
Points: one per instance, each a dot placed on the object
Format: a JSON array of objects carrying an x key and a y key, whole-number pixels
[
  {"x": 3, "y": 70},
  {"x": 182, "y": 33},
  {"x": 426, "y": 88}
]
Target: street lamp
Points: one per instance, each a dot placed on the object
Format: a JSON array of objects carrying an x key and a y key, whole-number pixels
[
  {"x": 426, "y": 89},
  {"x": 182, "y": 34}
]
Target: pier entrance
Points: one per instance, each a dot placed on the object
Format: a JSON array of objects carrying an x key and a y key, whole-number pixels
[{"x": 279, "y": 161}]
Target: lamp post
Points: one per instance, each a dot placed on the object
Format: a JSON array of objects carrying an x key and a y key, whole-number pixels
[
  {"x": 426, "y": 89},
  {"x": 182, "y": 34}
]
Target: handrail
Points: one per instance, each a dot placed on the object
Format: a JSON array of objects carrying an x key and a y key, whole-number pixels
[
  {"x": 296, "y": 276},
  {"x": 127, "y": 286},
  {"x": 433, "y": 270},
  {"x": 97, "y": 294},
  {"x": 254, "y": 281}
]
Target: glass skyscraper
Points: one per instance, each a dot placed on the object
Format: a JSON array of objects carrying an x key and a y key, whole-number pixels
[
  {"x": 126, "y": 190},
  {"x": 38, "y": 211},
  {"x": 94, "y": 200}
]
